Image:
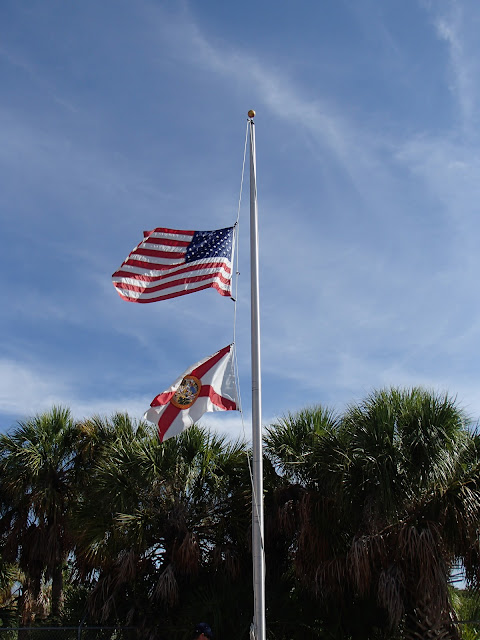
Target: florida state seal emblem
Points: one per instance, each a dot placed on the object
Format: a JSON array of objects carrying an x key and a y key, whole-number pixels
[{"x": 187, "y": 392}]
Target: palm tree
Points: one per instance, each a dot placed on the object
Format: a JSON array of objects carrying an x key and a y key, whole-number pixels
[
  {"x": 38, "y": 486},
  {"x": 381, "y": 503},
  {"x": 290, "y": 476},
  {"x": 154, "y": 517}
]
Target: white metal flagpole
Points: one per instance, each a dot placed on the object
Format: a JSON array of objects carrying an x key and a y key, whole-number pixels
[{"x": 257, "y": 449}]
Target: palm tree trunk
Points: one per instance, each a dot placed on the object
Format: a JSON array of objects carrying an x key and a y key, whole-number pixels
[
  {"x": 25, "y": 603},
  {"x": 57, "y": 591}
]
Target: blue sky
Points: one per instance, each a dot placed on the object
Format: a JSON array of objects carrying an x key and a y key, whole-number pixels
[{"x": 125, "y": 115}]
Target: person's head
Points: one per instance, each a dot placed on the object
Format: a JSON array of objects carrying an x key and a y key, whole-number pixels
[{"x": 202, "y": 631}]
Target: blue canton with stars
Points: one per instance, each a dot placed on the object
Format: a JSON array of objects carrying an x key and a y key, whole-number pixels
[{"x": 210, "y": 244}]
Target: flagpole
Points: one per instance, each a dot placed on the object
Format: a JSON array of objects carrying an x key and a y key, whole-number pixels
[{"x": 257, "y": 449}]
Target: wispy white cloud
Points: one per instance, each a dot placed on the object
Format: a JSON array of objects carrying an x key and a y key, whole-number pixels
[
  {"x": 22, "y": 388},
  {"x": 56, "y": 161},
  {"x": 26, "y": 65},
  {"x": 439, "y": 169},
  {"x": 377, "y": 290},
  {"x": 28, "y": 388},
  {"x": 453, "y": 27},
  {"x": 269, "y": 83}
]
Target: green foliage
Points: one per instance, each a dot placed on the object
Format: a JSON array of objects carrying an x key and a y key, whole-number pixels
[
  {"x": 366, "y": 512},
  {"x": 467, "y": 607},
  {"x": 38, "y": 485},
  {"x": 163, "y": 515},
  {"x": 387, "y": 500}
]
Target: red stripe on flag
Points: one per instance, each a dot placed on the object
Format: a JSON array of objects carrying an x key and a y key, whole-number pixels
[
  {"x": 140, "y": 300},
  {"x": 157, "y": 253},
  {"x": 142, "y": 264},
  {"x": 168, "y": 242},
  {"x": 175, "y": 270},
  {"x": 168, "y": 285},
  {"x": 168, "y": 416},
  {"x": 206, "y": 366},
  {"x": 177, "y": 232},
  {"x": 162, "y": 399},
  {"x": 223, "y": 403}
]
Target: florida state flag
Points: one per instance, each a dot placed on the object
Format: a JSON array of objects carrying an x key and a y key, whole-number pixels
[{"x": 208, "y": 385}]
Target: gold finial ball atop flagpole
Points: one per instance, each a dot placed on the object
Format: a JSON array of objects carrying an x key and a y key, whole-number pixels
[{"x": 251, "y": 113}]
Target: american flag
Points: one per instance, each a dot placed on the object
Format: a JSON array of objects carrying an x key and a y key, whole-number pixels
[{"x": 169, "y": 263}]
